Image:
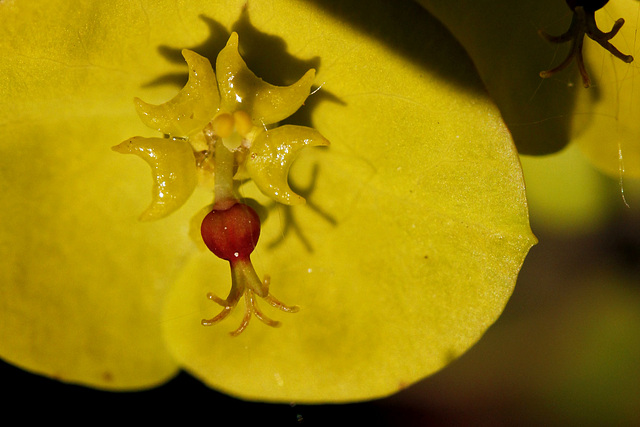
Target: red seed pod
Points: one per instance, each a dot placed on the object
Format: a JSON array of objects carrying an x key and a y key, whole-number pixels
[
  {"x": 587, "y": 5},
  {"x": 231, "y": 234}
]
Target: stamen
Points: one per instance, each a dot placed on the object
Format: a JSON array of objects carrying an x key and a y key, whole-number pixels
[
  {"x": 223, "y": 125},
  {"x": 243, "y": 122}
]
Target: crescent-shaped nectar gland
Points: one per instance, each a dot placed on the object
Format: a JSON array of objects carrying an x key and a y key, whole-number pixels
[
  {"x": 232, "y": 234},
  {"x": 584, "y": 23}
]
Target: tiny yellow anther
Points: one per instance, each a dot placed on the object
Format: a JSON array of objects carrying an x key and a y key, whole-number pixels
[
  {"x": 243, "y": 122},
  {"x": 223, "y": 125}
]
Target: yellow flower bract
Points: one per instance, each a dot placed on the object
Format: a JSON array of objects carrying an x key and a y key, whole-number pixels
[{"x": 406, "y": 251}]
